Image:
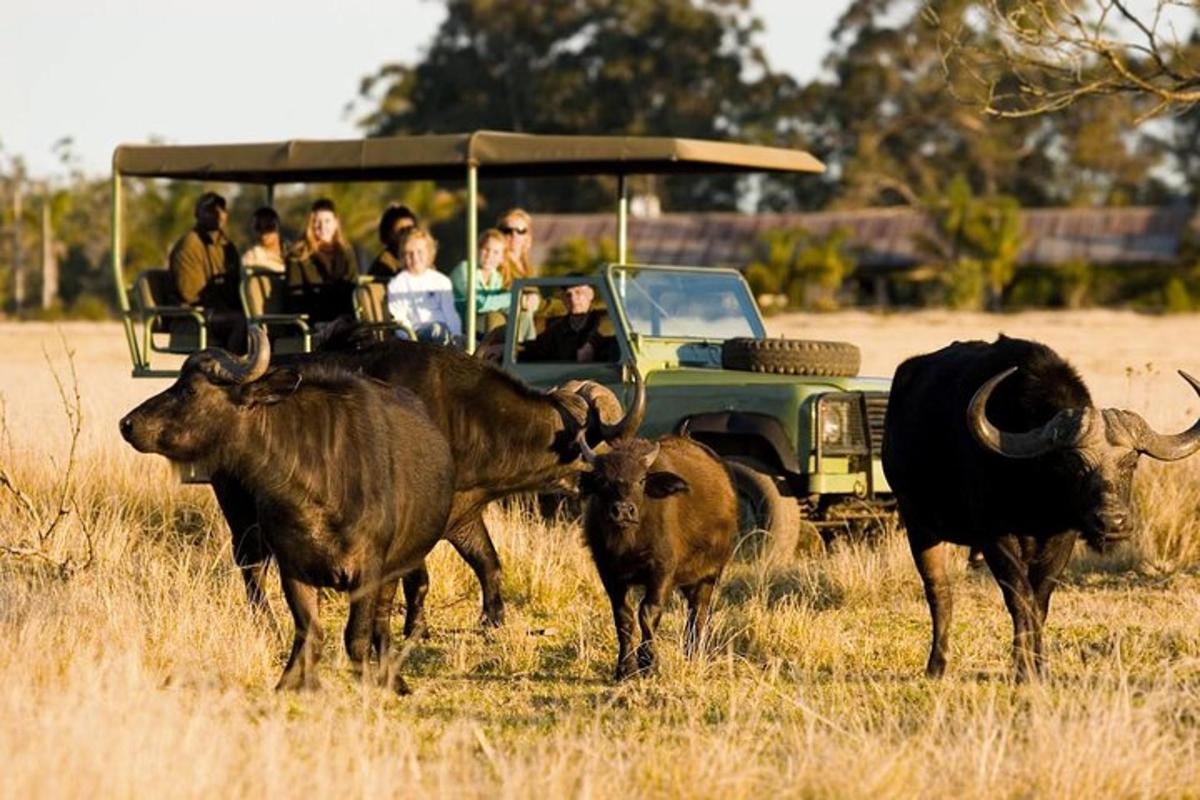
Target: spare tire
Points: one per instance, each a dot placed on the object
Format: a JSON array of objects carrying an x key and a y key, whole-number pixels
[{"x": 791, "y": 357}]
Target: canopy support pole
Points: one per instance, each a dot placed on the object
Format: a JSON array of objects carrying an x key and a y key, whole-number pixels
[
  {"x": 472, "y": 252},
  {"x": 116, "y": 246},
  {"x": 270, "y": 187},
  {"x": 622, "y": 218}
]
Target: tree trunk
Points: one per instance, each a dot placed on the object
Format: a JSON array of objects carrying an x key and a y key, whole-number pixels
[
  {"x": 18, "y": 265},
  {"x": 49, "y": 259}
]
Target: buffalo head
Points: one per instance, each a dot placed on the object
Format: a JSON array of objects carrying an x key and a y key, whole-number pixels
[
  {"x": 189, "y": 421},
  {"x": 620, "y": 480},
  {"x": 1101, "y": 446}
]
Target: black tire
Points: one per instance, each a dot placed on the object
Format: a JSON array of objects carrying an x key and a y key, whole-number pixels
[
  {"x": 791, "y": 357},
  {"x": 770, "y": 524}
]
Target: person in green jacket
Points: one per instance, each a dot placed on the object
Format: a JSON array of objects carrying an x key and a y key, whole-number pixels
[
  {"x": 205, "y": 267},
  {"x": 491, "y": 294}
]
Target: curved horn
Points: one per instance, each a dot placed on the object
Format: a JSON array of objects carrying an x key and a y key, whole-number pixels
[
  {"x": 1030, "y": 444},
  {"x": 258, "y": 357},
  {"x": 627, "y": 426},
  {"x": 652, "y": 454},
  {"x": 1180, "y": 445},
  {"x": 589, "y": 455}
]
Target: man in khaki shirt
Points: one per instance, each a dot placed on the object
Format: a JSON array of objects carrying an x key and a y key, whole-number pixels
[{"x": 204, "y": 265}]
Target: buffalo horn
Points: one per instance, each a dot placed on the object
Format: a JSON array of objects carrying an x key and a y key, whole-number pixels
[
  {"x": 1180, "y": 445},
  {"x": 1030, "y": 444},
  {"x": 627, "y": 426},
  {"x": 259, "y": 356},
  {"x": 589, "y": 455}
]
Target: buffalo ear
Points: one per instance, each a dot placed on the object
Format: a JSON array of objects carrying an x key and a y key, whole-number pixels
[
  {"x": 270, "y": 388},
  {"x": 664, "y": 484}
]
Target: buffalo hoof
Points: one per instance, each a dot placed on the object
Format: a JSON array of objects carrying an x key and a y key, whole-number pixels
[
  {"x": 492, "y": 617},
  {"x": 295, "y": 681}
]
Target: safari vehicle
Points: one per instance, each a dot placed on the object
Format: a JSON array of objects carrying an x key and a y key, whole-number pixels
[
  {"x": 800, "y": 431},
  {"x": 798, "y": 428}
]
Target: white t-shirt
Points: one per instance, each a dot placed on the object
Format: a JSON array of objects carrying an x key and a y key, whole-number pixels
[{"x": 423, "y": 299}]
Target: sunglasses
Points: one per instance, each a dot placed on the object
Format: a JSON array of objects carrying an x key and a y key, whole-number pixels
[{"x": 507, "y": 231}]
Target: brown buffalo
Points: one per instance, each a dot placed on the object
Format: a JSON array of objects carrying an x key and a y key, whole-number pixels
[
  {"x": 506, "y": 438},
  {"x": 661, "y": 514},
  {"x": 349, "y": 480}
]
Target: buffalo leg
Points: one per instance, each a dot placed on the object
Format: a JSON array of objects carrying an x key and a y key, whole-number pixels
[
  {"x": 930, "y": 557},
  {"x": 1048, "y": 561},
  {"x": 303, "y": 600},
  {"x": 470, "y": 538},
  {"x": 649, "y": 614},
  {"x": 250, "y": 550},
  {"x": 618, "y": 595},
  {"x": 381, "y": 629},
  {"x": 1004, "y": 558},
  {"x": 699, "y": 598},
  {"x": 360, "y": 628},
  {"x": 416, "y": 586}
]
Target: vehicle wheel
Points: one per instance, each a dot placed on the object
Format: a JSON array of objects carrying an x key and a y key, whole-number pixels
[
  {"x": 791, "y": 356},
  {"x": 769, "y": 522}
]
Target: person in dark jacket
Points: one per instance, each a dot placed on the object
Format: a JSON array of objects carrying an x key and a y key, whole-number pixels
[
  {"x": 204, "y": 267},
  {"x": 576, "y": 335},
  {"x": 322, "y": 269},
  {"x": 396, "y": 222}
]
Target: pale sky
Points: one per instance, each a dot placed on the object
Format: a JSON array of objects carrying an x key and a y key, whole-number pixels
[{"x": 112, "y": 71}]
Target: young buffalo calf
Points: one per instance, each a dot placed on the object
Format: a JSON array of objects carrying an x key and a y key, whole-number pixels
[{"x": 660, "y": 515}]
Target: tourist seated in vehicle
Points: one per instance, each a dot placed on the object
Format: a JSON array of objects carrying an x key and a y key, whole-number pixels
[
  {"x": 204, "y": 268},
  {"x": 491, "y": 293},
  {"x": 397, "y": 220},
  {"x": 421, "y": 296},
  {"x": 577, "y": 335},
  {"x": 517, "y": 227},
  {"x": 268, "y": 249},
  {"x": 322, "y": 269}
]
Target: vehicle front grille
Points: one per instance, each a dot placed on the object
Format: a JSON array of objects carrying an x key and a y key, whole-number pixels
[{"x": 876, "y": 403}]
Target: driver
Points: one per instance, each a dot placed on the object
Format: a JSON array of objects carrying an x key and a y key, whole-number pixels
[{"x": 575, "y": 336}]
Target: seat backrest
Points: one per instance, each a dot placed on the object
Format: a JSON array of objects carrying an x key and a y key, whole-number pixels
[
  {"x": 370, "y": 302},
  {"x": 153, "y": 288},
  {"x": 263, "y": 292}
]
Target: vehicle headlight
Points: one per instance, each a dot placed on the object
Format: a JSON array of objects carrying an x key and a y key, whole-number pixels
[
  {"x": 840, "y": 424},
  {"x": 834, "y": 422}
]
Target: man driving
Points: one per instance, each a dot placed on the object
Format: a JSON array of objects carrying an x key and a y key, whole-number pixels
[{"x": 575, "y": 336}]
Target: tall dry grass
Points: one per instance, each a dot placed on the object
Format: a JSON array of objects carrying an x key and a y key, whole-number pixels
[{"x": 144, "y": 675}]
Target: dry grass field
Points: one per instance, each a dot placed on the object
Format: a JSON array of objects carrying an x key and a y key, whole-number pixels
[{"x": 143, "y": 675}]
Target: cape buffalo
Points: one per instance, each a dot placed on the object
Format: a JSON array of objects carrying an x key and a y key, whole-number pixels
[
  {"x": 506, "y": 438},
  {"x": 998, "y": 446},
  {"x": 351, "y": 481},
  {"x": 661, "y": 514}
]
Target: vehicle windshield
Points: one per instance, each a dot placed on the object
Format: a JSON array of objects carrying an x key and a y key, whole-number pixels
[{"x": 691, "y": 304}]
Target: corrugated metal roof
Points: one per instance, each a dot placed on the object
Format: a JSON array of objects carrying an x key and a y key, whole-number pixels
[{"x": 884, "y": 238}]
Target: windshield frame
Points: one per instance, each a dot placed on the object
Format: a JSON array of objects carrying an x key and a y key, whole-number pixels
[{"x": 610, "y": 271}]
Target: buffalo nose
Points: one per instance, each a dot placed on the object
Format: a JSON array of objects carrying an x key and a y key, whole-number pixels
[
  {"x": 623, "y": 512},
  {"x": 126, "y": 427}
]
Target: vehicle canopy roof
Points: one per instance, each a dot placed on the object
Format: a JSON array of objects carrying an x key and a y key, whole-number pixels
[{"x": 439, "y": 156}]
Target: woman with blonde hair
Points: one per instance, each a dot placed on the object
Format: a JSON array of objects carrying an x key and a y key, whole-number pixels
[
  {"x": 491, "y": 295},
  {"x": 517, "y": 227},
  {"x": 322, "y": 269}
]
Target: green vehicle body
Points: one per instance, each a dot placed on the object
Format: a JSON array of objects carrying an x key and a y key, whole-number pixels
[{"x": 773, "y": 421}]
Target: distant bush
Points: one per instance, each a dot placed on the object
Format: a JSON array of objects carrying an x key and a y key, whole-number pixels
[{"x": 1176, "y": 299}]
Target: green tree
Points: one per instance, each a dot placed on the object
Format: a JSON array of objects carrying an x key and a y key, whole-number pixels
[
  {"x": 975, "y": 244},
  {"x": 578, "y": 256},
  {"x": 642, "y": 67},
  {"x": 806, "y": 268},
  {"x": 893, "y": 125}
]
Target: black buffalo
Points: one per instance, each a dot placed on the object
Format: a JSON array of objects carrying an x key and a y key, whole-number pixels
[
  {"x": 506, "y": 438},
  {"x": 661, "y": 515},
  {"x": 998, "y": 446},
  {"x": 350, "y": 481}
]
